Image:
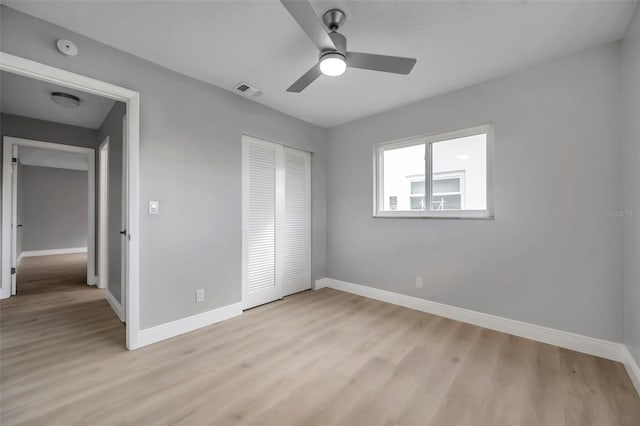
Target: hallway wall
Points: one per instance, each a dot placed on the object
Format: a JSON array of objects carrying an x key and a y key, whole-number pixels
[{"x": 53, "y": 205}]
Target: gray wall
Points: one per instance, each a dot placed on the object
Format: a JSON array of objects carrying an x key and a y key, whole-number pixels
[
  {"x": 112, "y": 127},
  {"x": 47, "y": 131},
  {"x": 190, "y": 160},
  {"x": 631, "y": 184},
  {"x": 551, "y": 256},
  {"x": 54, "y": 208}
]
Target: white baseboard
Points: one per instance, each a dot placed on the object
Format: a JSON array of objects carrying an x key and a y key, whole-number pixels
[
  {"x": 116, "y": 306},
  {"x": 322, "y": 283},
  {"x": 51, "y": 252},
  {"x": 5, "y": 293},
  {"x": 155, "y": 334},
  {"x": 632, "y": 368},
  {"x": 589, "y": 345}
]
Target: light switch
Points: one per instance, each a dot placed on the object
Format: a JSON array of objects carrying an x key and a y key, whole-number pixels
[{"x": 154, "y": 207}]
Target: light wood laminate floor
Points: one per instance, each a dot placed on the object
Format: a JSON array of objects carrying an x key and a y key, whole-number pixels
[{"x": 316, "y": 358}]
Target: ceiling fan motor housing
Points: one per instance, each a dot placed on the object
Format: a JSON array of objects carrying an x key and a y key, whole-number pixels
[
  {"x": 340, "y": 42},
  {"x": 333, "y": 19}
]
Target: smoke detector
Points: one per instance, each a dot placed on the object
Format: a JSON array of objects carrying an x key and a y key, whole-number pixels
[
  {"x": 67, "y": 47},
  {"x": 66, "y": 100},
  {"x": 247, "y": 90}
]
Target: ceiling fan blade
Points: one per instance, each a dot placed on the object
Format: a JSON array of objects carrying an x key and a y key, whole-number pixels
[
  {"x": 306, "y": 17},
  {"x": 369, "y": 61},
  {"x": 306, "y": 79}
]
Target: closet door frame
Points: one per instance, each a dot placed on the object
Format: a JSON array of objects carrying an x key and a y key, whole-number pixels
[{"x": 280, "y": 212}]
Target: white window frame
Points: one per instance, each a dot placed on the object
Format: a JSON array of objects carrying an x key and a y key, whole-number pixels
[{"x": 428, "y": 141}]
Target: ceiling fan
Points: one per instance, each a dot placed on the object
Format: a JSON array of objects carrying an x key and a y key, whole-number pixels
[{"x": 334, "y": 57}]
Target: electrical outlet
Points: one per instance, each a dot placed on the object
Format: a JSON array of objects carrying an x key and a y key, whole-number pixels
[
  {"x": 419, "y": 282},
  {"x": 200, "y": 295}
]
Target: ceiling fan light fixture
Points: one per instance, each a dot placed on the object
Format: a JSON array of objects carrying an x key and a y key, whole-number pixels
[
  {"x": 65, "y": 99},
  {"x": 333, "y": 47},
  {"x": 333, "y": 64}
]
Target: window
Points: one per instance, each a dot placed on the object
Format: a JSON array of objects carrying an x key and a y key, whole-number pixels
[{"x": 457, "y": 167}]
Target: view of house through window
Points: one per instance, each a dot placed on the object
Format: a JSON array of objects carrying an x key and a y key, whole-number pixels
[
  {"x": 417, "y": 197},
  {"x": 460, "y": 173},
  {"x": 448, "y": 191},
  {"x": 404, "y": 178},
  {"x": 457, "y": 181}
]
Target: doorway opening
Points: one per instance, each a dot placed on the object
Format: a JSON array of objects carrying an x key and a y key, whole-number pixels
[
  {"x": 123, "y": 208},
  {"x": 51, "y": 197}
]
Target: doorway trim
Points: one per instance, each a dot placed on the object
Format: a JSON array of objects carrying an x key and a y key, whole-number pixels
[
  {"x": 25, "y": 67},
  {"x": 8, "y": 191}
]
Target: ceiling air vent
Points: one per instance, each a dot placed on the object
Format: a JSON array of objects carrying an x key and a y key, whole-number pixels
[{"x": 247, "y": 90}]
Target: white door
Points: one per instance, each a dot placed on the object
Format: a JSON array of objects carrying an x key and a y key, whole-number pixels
[
  {"x": 276, "y": 221},
  {"x": 14, "y": 217},
  {"x": 262, "y": 183},
  {"x": 296, "y": 235},
  {"x": 103, "y": 215},
  {"x": 124, "y": 245}
]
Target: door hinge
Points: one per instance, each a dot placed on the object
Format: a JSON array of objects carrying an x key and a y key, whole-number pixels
[
  {"x": 13, "y": 271},
  {"x": 14, "y": 160}
]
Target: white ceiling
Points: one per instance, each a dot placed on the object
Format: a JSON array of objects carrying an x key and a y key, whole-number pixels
[
  {"x": 30, "y": 156},
  {"x": 456, "y": 43},
  {"x": 32, "y": 98}
]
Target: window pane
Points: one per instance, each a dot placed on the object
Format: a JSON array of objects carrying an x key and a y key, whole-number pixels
[
  {"x": 417, "y": 203},
  {"x": 460, "y": 165},
  {"x": 446, "y": 185},
  {"x": 403, "y": 173},
  {"x": 446, "y": 202},
  {"x": 417, "y": 187}
]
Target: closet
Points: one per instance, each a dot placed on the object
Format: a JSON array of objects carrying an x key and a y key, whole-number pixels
[{"x": 276, "y": 221}]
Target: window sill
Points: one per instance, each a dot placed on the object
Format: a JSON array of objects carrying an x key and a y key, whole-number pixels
[{"x": 456, "y": 216}]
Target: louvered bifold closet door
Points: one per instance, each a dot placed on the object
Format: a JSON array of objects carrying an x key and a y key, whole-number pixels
[
  {"x": 262, "y": 192},
  {"x": 296, "y": 250}
]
